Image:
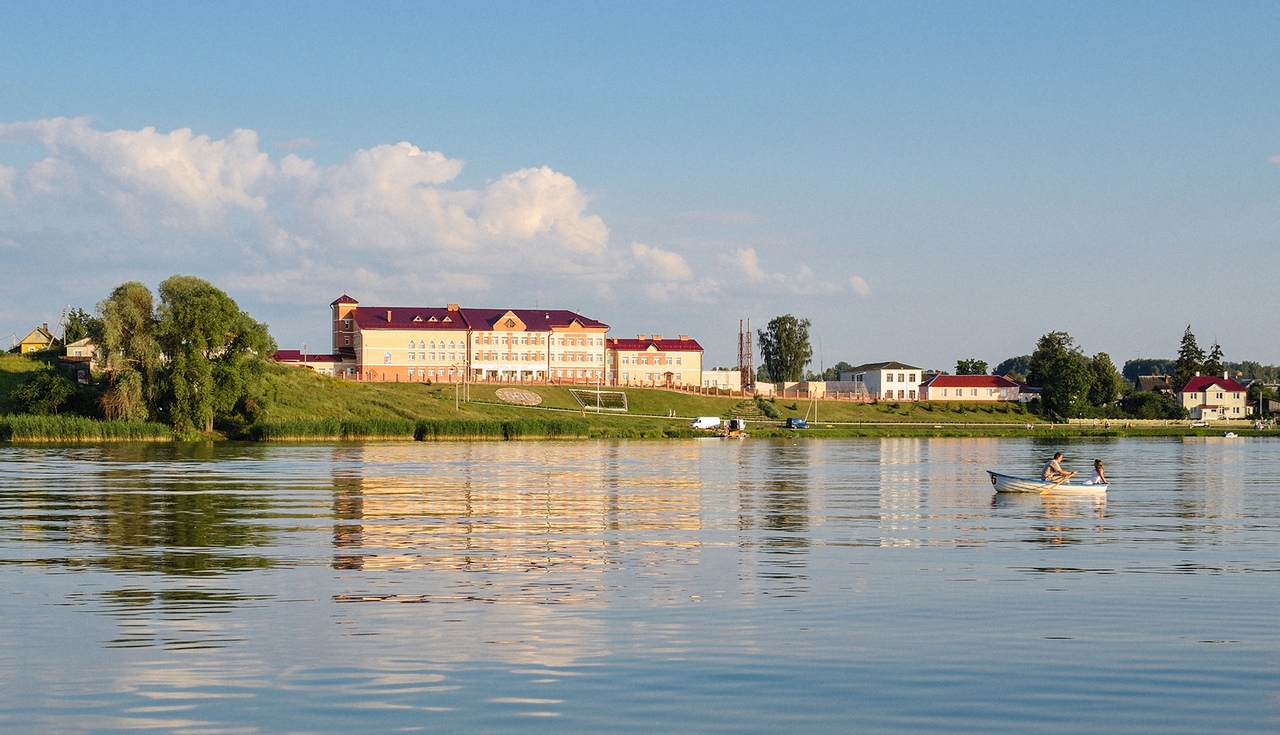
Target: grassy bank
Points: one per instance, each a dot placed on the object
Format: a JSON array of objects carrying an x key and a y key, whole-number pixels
[{"x": 304, "y": 406}]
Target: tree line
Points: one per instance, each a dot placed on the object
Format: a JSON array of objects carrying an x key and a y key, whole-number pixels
[
  {"x": 1072, "y": 384},
  {"x": 189, "y": 359}
]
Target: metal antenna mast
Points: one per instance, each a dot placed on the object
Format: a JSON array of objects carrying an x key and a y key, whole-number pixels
[{"x": 746, "y": 359}]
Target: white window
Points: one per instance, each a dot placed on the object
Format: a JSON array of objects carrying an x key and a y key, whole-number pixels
[
  {"x": 973, "y": 392},
  {"x": 944, "y": 392},
  {"x": 888, "y": 377},
  {"x": 677, "y": 359},
  {"x": 410, "y": 355},
  {"x": 912, "y": 377},
  {"x": 901, "y": 378}
]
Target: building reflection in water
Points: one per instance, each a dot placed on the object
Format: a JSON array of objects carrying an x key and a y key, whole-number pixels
[
  {"x": 774, "y": 490},
  {"x": 491, "y": 514}
]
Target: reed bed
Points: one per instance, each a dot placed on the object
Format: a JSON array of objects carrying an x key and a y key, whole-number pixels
[
  {"x": 23, "y": 428},
  {"x": 463, "y": 429},
  {"x": 334, "y": 430}
]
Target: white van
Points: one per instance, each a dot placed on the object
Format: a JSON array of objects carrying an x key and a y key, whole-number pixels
[{"x": 706, "y": 422}]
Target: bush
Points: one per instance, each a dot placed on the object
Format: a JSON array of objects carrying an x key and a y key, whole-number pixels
[
  {"x": 42, "y": 394},
  {"x": 767, "y": 408}
]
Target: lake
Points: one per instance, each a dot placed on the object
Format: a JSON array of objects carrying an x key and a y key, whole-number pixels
[{"x": 757, "y": 586}]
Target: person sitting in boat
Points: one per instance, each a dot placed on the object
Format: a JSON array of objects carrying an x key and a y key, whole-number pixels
[
  {"x": 1099, "y": 477},
  {"x": 1053, "y": 472}
]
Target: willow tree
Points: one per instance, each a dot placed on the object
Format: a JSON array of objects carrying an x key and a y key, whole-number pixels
[
  {"x": 216, "y": 352},
  {"x": 784, "y": 347},
  {"x": 130, "y": 354}
]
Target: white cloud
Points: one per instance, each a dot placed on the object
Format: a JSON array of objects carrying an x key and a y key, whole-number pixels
[
  {"x": 662, "y": 265},
  {"x": 746, "y": 263},
  {"x": 1274, "y": 159},
  {"x": 859, "y": 286},
  {"x": 223, "y": 208}
]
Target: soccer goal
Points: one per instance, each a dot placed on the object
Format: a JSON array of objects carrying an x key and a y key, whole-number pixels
[{"x": 604, "y": 400}]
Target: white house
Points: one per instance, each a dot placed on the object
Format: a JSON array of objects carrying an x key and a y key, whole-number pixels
[
  {"x": 970, "y": 388},
  {"x": 887, "y": 380},
  {"x": 1208, "y": 398}
]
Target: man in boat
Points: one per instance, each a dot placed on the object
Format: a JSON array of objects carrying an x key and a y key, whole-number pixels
[{"x": 1052, "y": 471}]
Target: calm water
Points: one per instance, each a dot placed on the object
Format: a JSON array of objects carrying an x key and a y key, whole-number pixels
[{"x": 707, "y": 586}]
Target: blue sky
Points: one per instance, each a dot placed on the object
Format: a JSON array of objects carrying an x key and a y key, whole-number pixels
[{"x": 925, "y": 182}]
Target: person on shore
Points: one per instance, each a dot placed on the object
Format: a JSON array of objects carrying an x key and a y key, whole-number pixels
[
  {"x": 1099, "y": 477},
  {"x": 1052, "y": 470}
]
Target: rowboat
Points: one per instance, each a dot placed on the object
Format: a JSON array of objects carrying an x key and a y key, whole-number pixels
[{"x": 1011, "y": 484}]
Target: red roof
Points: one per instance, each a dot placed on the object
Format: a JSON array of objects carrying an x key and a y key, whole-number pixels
[
  {"x": 1204, "y": 382},
  {"x": 297, "y": 356},
  {"x": 434, "y": 317},
  {"x": 971, "y": 381},
  {"x": 661, "y": 345}
]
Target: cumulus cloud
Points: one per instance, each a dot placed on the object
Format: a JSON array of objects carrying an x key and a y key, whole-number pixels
[
  {"x": 745, "y": 263},
  {"x": 1274, "y": 159},
  {"x": 859, "y": 286},
  {"x": 666, "y": 276},
  {"x": 224, "y": 207}
]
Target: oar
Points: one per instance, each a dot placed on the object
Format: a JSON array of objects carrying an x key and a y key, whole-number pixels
[{"x": 1059, "y": 482}]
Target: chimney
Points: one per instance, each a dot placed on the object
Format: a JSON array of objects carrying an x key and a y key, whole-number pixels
[
  {"x": 684, "y": 338},
  {"x": 657, "y": 338},
  {"x": 388, "y": 316},
  {"x": 640, "y": 337},
  {"x": 45, "y": 326},
  {"x": 451, "y": 307}
]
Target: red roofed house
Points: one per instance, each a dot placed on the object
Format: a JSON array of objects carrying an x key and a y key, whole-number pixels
[
  {"x": 970, "y": 388},
  {"x": 1209, "y": 398},
  {"x": 655, "y": 361}
]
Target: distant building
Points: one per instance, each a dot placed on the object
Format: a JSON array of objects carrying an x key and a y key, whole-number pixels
[
  {"x": 39, "y": 339},
  {"x": 970, "y": 388},
  {"x": 80, "y": 357},
  {"x": 1210, "y": 398},
  {"x": 722, "y": 379},
  {"x": 1155, "y": 384},
  {"x": 455, "y": 344},
  {"x": 890, "y": 381},
  {"x": 654, "y": 361}
]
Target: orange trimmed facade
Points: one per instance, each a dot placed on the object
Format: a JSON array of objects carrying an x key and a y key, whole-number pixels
[{"x": 457, "y": 344}]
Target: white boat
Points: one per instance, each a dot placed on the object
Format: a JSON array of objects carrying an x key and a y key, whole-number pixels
[
  {"x": 1229, "y": 435},
  {"x": 1011, "y": 484}
]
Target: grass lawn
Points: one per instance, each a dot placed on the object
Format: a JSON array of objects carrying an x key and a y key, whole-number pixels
[{"x": 14, "y": 370}]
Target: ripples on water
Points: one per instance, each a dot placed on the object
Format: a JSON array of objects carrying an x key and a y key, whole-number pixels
[{"x": 713, "y": 586}]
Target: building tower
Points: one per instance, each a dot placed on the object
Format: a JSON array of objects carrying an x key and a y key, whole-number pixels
[{"x": 344, "y": 328}]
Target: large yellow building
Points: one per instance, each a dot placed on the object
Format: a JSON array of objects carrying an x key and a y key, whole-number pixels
[
  {"x": 654, "y": 361},
  {"x": 456, "y": 344}
]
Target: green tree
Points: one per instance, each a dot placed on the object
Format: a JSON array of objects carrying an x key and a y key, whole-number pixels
[
  {"x": 1062, "y": 373},
  {"x": 42, "y": 394},
  {"x": 971, "y": 367},
  {"x": 784, "y": 347},
  {"x": 81, "y": 324},
  {"x": 129, "y": 353},
  {"x": 1015, "y": 367},
  {"x": 1107, "y": 383},
  {"x": 833, "y": 372},
  {"x": 1213, "y": 363},
  {"x": 1152, "y": 406},
  {"x": 216, "y": 352},
  {"x": 1190, "y": 360}
]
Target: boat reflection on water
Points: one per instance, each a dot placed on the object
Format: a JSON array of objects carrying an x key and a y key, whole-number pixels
[{"x": 1065, "y": 516}]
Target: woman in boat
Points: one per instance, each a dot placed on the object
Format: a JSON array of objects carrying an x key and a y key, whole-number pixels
[{"x": 1099, "y": 477}]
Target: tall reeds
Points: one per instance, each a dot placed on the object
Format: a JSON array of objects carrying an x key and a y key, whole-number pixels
[
  {"x": 424, "y": 430},
  {"x": 66, "y": 428}
]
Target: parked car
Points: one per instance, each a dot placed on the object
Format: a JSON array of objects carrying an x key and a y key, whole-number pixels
[
  {"x": 705, "y": 422},
  {"x": 795, "y": 423}
]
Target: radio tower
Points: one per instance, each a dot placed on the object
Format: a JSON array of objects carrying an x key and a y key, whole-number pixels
[{"x": 746, "y": 361}]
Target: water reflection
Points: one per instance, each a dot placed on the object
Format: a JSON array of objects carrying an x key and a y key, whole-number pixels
[{"x": 479, "y": 513}]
